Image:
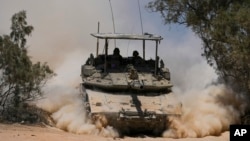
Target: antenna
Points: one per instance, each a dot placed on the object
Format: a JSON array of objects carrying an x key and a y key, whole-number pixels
[
  {"x": 113, "y": 21},
  {"x": 143, "y": 42},
  {"x": 140, "y": 16}
]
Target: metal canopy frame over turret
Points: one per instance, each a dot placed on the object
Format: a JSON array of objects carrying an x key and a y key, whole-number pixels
[{"x": 144, "y": 37}]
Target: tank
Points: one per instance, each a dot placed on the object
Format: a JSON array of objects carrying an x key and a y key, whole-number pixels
[{"x": 131, "y": 94}]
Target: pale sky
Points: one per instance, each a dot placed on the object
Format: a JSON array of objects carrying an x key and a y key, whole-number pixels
[{"x": 62, "y": 37}]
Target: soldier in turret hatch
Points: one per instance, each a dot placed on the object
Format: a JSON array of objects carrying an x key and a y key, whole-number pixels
[
  {"x": 116, "y": 58},
  {"x": 137, "y": 60}
]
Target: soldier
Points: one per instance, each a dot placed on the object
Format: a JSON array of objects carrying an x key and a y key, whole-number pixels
[
  {"x": 137, "y": 60},
  {"x": 116, "y": 53},
  {"x": 90, "y": 60},
  {"x": 116, "y": 59}
]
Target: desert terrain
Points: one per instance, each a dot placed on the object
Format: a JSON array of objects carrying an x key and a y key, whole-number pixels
[{"x": 19, "y": 132}]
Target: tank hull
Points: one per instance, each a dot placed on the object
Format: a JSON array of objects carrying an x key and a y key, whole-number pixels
[{"x": 131, "y": 113}]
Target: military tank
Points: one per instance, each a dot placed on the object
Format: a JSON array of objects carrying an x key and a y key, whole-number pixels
[{"x": 131, "y": 94}]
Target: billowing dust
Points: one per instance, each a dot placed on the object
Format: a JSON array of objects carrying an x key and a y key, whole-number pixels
[
  {"x": 67, "y": 110},
  {"x": 205, "y": 112}
]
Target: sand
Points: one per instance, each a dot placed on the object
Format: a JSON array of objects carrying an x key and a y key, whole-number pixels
[{"x": 19, "y": 132}]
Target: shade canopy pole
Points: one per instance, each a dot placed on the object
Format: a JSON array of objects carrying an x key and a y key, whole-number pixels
[
  {"x": 156, "y": 57},
  {"x": 97, "y": 44},
  {"x": 143, "y": 45},
  {"x": 106, "y": 54}
]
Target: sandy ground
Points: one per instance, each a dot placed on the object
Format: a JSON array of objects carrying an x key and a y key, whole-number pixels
[{"x": 18, "y": 132}]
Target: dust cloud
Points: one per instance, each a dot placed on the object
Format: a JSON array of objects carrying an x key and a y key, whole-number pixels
[
  {"x": 67, "y": 110},
  {"x": 208, "y": 109},
  {"x": 206, "y": 112},
  {"x": 63, "y": 100}
]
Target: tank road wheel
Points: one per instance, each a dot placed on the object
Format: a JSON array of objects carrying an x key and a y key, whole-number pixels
[
  {"x": 124, "y": 131},
  {"x": 157, "y": 132}
]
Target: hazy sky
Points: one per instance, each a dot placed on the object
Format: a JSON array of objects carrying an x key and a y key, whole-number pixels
[{"x": 62, "y": 38}]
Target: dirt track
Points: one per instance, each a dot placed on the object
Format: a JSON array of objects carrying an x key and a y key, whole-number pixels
[{"x": 17, "y": 132}]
